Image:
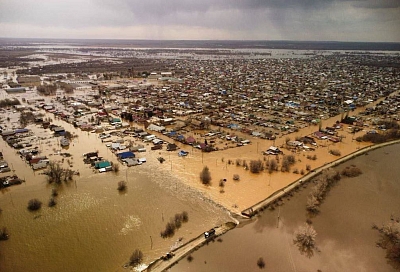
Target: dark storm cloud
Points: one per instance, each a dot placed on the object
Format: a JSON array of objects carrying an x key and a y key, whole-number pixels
[
  {"x": 204, "y": 19},
  {"x": 377, "y": 4}
]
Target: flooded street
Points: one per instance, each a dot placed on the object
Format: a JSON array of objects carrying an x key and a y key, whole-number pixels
[
  {"x": 93, "y": 227},
  {"x": 345, "y": 238}
]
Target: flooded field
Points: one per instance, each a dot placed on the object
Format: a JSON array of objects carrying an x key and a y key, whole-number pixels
[
  {"x": 345, "y": 238},
  {"x": 94, "y": 227}
]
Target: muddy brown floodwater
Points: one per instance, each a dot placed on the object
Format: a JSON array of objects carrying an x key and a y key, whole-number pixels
[
  {"x": 94, "y": 227},
  {"x": 345, "y": 239}
]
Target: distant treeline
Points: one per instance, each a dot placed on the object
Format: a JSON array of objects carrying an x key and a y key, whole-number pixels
[{"x": 220, "y": 44}]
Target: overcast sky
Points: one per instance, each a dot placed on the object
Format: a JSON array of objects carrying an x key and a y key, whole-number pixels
[{"x": 327, "y": 20}]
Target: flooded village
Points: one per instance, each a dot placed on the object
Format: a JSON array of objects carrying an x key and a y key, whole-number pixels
[{"x": 153, "y": 151}]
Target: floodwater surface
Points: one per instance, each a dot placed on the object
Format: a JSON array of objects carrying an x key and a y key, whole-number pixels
[
  {"x": 93, "y": 227},
  {"x": 345, "y": 239}
]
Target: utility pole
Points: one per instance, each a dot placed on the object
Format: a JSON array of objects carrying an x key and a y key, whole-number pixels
[{"x": 151, "y": 243}]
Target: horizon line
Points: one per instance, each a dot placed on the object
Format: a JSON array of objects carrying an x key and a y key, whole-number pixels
[{"x": 197, "y": 40}]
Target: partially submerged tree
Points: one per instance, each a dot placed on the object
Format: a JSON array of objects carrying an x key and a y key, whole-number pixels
[
  {"x": 4, "y": 234},
  {"x": 136, "y": 258},
  {"x": 351, "y": 171},
  {"x": 272, "y": 166},
  {"x": 34, "y": 204},
  {"x": 205, "y": 176},
  {"x": 52, "y": 202},
  {"x": 260, "y": 263},
  {"x": 287, "y": 162},
  {"x": 221, "y": 185},
  {"x": 115, "y": 167},
  {"x": 256, "y": 166},
  {"x": 26, "y": 118},
  {"x": 305, "y": 237},
  {"x": 122, "y": 186},
  {"x": 57, "y": 174},
  {"x": 174, "y": 224},
  {"x": 390, "y": 241}
]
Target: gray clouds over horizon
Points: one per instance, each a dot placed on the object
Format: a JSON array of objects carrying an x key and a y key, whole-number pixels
[{"x": 344, "y": 20}]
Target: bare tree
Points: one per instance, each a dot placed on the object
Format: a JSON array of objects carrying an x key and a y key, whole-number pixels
[
  {"x": 305, "y": 237},
  {"x": 312, "y": 204}
]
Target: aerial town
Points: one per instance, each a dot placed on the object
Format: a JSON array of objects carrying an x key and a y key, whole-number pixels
[{"x": 254, "y": 126}]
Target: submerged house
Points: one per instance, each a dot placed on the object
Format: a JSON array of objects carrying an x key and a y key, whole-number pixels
[
  {"x": 125, "y": 155},
  {"x": 59, "y": 131},
  {"x": 102, "y": 164},
  {"x": 172, "y": 147}
]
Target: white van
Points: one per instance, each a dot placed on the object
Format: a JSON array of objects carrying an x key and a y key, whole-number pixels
[{"x": 149, "y": 138}]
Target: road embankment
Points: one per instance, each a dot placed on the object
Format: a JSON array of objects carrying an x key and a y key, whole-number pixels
[{"x": 162, "y": 264}]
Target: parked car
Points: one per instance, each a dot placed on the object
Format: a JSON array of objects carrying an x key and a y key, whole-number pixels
[{"x": 182, "y": 153}]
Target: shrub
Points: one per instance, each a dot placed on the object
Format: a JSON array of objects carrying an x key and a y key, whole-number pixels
[
  {"x": 295, "y": 171},
  {"x": 351, "y": 171},
  {"x": 136, "y": 258},
  {"x": 236, "y": 177},
  {"x": 256, "y": 166},
  {"x": 308, "y": 167},
  {"x": 313, "y": 157},
  {"x": 335, "y": 152},
  {"x": 205, "y": 176},
  {"x": 34, "y": 204}
]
